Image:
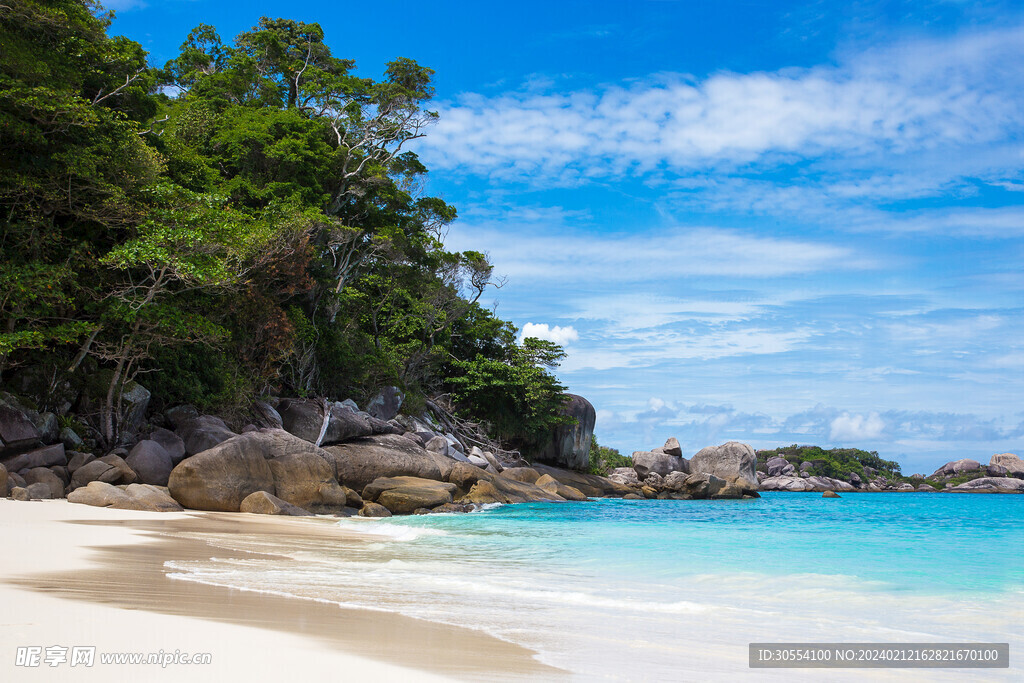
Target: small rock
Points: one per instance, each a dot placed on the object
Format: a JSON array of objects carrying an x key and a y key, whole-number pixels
[
  {"x": 263, "y": 503},
  {"x": 374, "y": 510},
  {"x": 20, "y": 493},
  {"x": 830, "y": 494}
]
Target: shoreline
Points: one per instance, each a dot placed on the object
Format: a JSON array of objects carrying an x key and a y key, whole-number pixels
[{"x": 83, "y": 575}]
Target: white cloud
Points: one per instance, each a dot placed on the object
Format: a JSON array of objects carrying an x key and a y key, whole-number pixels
[
  {"x": 852, "y": 427},
  {"x": 918, "y": 96},
  {"x": 563, "y": 336}
]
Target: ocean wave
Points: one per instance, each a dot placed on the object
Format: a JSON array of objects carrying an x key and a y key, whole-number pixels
[{"x": 394, "y": 532}]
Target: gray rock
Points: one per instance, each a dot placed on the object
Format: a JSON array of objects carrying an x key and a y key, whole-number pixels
[
  {"x": 996, "y": 471},
  {"x": 20, "y": 493},
  {"x": 569, "y": 445},
  {"x": 350, "y": 405},
  {"x": 133, "y": 497},
  {"x": 150, "y": 462},
  {"x": 40, "y": 491},
  {"x": 702, "y": 484},
  {"x": 78, "y": 459},
  {"x": 556, "y": 488},
  {"x": 152, "y": 498},
  {"x": 127, "y": 474},
  {"x": 733, "y": 461},
  {"x": 267, "y": 416},
  {"x": 179, "y": 415},
  {"x": 304, "y": 418},
  {"x": 202, "y": 433},
  {"x": 263, "y": 503},
  {"x": 478, "y": 461},
  {"x": 776, "y": 465},
  {"x": 70, "y": 439},
  {"x": 439, "y": 444},
  {"x": 47, "y": 456},
  {"x": 404, "y": 495},
  {"x": 926, "y": 487},
  {"x": 672, "y": 447},
  {"x": 649, "y": 462},
  {"x": 170, "y": 442},
  {"x": 386, "y": 404},
  {"x": 992, "y": 484},
  {"x": 46, "y": 423},
  {"x": 1014, "y": 465},
  {"x": 91, "y": 471},
  {"x": 806, "y": 466},
  {"x": 416, "y": 439},
  {"x": 786, "y": 484},
  {"x": 374, "y": 510},
  {"x": 135, "y": 401},
  {"x": 3, "y": 481},
  {"x": 359, "y": 462},
  {"x": 590, "y": 485},
  {"x": 626, "y": 476},
  {"x": 42, "y": 475},
  {"x": 830, "y": 494},
  {"x": 16, "y": 431},
  {"x": 958, "y": 467}
]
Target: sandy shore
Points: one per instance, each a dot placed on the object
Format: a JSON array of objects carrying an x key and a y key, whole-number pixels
[{"x": 74, "y": 575}]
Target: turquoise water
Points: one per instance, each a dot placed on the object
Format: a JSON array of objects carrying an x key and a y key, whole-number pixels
[{"x": 675, "y": 590}]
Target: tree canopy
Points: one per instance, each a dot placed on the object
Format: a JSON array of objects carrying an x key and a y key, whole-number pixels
[{"x": 246, "y": 219}]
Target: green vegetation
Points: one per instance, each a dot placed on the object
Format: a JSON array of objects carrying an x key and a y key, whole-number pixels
[
  {"x": 603, "y": 459},
  {"x": 245, "y": 220},
  {"x": 838, "y": 463}
]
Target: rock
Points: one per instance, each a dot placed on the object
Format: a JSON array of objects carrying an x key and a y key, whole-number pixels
[
  {"x": 991, "y": 485},
  {"x": 359, "y": 462},
  {"x": 417, "y": 439},
  {"x": 648, "y": 462},
  {"x": 569, "y": 445},
  {"x": 386, "y": 404},
  {"x": 270, "y": 460},
  {"x": 263, "y": 503},
  {"x": 703, "y": 484},
  {"x": 150, "y": 462},
  {"x": 133, "y": 497},
  {"x": 152, "y": 498},
  {"x": 70, "y": 439},
  {"x": 733, "y": 461},
  {"x": 78, "y": 459},
  {"x": 527, "y": 475},
  {"x": 590, "y": 485},
  {"x": 47, "y": 425},
  {"x": 553, "y": 486},
  {"x": 350, "y": 405},
  {"x": 268, "y": 417},
  {"x": 452, "y": 508},
  {"x": 100, "y": 494},
  {"x": 632, "y": 496},
  {"x": 179, "y": 415},
  {"x": 761, "y": 476},
  {"x": 958, "y": 467},
  {"x": 404, "y": 495},
  {"x": 478, "y": 461},
  {"x": 16, "y": 431},
  {"x": 135, "y": 402},
  {"x": 926, "y": 487},
  {"x": 438, "y": 444},
  {"x": 806, "y": 466},
  {"x": 202, "y": 433},
  {"x": 830, "y": 494},
  {"x": 127, "y": 474},
  {"x": 304, "y": 418},
  {"x": 672, "y": 447},
  {"x": 42, "y": 490},
  {"x": 498, "y": 488},
  {"x": 625, "y": 475},
  {"x": 776, "y": 465},
  {"x": 94, "y": 470},
  {"x": 170, "y": 442},
  {"x": 3, "y": 481},
  {"x": 786, "y": 484},
  {"x": 1014, "y": 465},
  {"x": 352, "y": 498},
  {"x": 42, "y": 475},
  {"x": 20, "y": 493},
  {"x": 374, "y": 510},
  {"x": 996, "y": 471},
  {"x": 648, "y": 492},
  {"x": 856, "y": 480},
  {"x": 47, "y": 456},
  {"x": 491, "y": 460},
  {"x": 905, "y": 487}
]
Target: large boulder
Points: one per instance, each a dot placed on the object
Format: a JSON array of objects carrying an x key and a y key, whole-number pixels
[
  {"x": 43, "y": 475},
  {"x": 135, "y": 402},
  {"x": 16, "y": 430},
  {"x": 404, "y": 495},
  {"x": 480, "y": 486},
  {"x": 202, "y": 433},
  {"x": 553, "y": 486},
  {"x": 150, "y": 462},
  {"x": 270, "y": 460},
  {"x": 170, "y": 442},
  {"x": 386, "y": 404},
  {"x": 94, "y": 470},
  {"x": 127, "y": 474},
  {"x": 779, "y": 467},
  {"x": 650, "y": 462},
  {"x": 626, "y": 476},
  {"x": 527, "y": 475},
  {"x": 360, "y": 461},
  {"x": 1014, "y": 466},
  {"x": 990, "y": 485},
  {"x": 734, "y": 462},
  {"x": 152, "y": 498},
  {"x": 47, "y": 456},
  {"x": 957, "y": 467},
  {"x": 569, "y": 445}
]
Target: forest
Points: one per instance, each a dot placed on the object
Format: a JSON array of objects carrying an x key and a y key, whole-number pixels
[{"x": 246, "y": 220}]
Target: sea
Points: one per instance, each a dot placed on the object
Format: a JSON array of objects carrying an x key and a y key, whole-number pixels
[{"x": 624, "y": 590}]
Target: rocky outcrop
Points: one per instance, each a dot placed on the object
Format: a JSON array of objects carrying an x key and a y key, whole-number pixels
[
  {"x": 45, "y": 476},
  {"x": 734, "y": 462},
  {"x": 359, "y": 462},
  {"x": 17, "y": 432},
  {"x": 172, "y": 444},
  {"x": 1014, "y": 466},
  {"x": 779, "y": 467},
  {"x": 305, "y": 419},
  {"x": 480, "y": 487},
  {"x": 663, "y": 464},
  {"x": 990, "y": 485},
  {"x": 591, "y": 485},
  {"x": 555, "y": 487},
  {"x": 958, "y": 467},
  {"x": 830, "y": 494},
  {"x": 386, "y": 404},
  {"x": 47, "y": 456},
  {"x": 569, "y": 446}
]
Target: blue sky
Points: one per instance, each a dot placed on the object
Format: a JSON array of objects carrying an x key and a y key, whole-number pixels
[{"x": 774, "y": 222}]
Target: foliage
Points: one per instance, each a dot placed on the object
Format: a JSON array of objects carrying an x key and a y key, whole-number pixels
[
  {"x": 604, "y": 459},
  {"x": 515, "y": 393},
  {"x": 246, "y": 219},
  {"x": 838, "y": 463}
]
